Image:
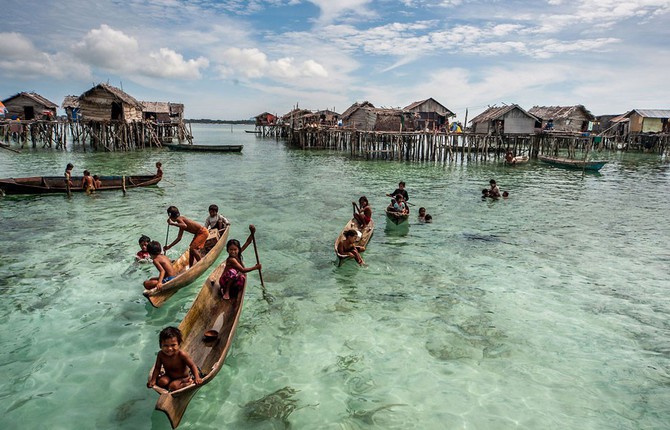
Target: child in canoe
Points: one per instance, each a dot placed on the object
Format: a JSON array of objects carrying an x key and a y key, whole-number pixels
[
  {"x": 165, "y": 270},
  {"x": 233, "y": 277},
  {"x": 363, "y": 212},
  {"x": 347, "y": 247},
  {"x": 175, "y": 363}
]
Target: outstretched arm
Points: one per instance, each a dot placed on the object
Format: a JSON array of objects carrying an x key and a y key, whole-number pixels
[
  {"x": 154, "y": 375},
  {"x": 252, "y": 228}
]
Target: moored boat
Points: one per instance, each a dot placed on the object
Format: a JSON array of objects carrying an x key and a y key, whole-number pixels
[
  {"x": 364, "y": 236},
  {"x": 185, "y": 274},
  {"x": 208, "y": 312},
  {"x": 396, "y": 218},
  {"x": 204, "y": 148},
  {"x": 593, "y": 165},
  {"x": 57, "y": 184}
]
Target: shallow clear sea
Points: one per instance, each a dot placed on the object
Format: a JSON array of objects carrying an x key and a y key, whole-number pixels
[{"x": 548, "y": 310}]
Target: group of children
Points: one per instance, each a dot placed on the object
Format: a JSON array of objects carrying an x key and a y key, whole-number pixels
[
  {"x": 88, "y": 183},
  {"x": 494, "y": 191},
  {"x": 174, "y": 368}
]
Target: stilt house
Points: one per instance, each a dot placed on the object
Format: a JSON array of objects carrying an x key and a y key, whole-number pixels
[
  {"x": 295, "y": 118},
  {"x": 576, "y": 119},
  {"x": 71, "y": 106},
  {"x": 163, "y": 112},
  {"x": 648, "y": 120},
  {"x": 266, "y": 118},
  {"x": 105, "y": 103},
  {"x": 359, "y": 116},
  {"x": 508, "y": 119},
  {"x": 430, "y": 114},
  {"x": 29, "y": 106}
]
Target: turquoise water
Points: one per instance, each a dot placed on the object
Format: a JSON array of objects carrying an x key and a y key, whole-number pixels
[{"x": 548, "y": 310}]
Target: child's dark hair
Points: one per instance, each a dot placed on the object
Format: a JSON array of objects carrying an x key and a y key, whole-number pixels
[
  {"x": 485, "y": 191},
  {"x": 214, "y": 208},
  {"x": 96, "y": 177},
  {"x": 154, "y": 247},
  {"x": 86, "y": 173},
  {"x": 398, "y": 197},
  {"x": 401, "y": 183},
  {"x": 492, "y": 182},
  {"x": 350, "y": 233},
  {"x": 69, "y": 166},
  {"x": 235, "y": 242},
  {"x": 168, "y": 333},
  {"x": 428, "y": 218},
  {"x": 363, "y": 199},
  {"x": 173, "y": 212},
  {"x": 144, "y": 238}
]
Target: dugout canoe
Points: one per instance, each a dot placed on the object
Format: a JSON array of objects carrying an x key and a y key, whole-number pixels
[
  {"x": 396, "y": 217},
  {"x": 204, "y": 148},
  {"x": 185, "y": 275},
  {"x": 57, "y": 184},
  {"x": 363, "y": 237},
  {"x": 209, "y": 311},
  {"x": 592, "y": 166}
]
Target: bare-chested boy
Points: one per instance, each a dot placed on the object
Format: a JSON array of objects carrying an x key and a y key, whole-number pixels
[
  {"x": 199, "y": 232},
  {"x": 165, "y": 270},
  {"x": 174, "y": 362}
]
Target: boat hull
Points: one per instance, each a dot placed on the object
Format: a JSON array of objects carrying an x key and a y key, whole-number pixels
[
  {"x": 205, "y": 148},
  {"x": 57, "y": 185},
  {"x": 396, "y": 218},
  {"x": 187, "y": 276},
  {"x": 209, "y": 311},
  {"x": 364, "y": 238},
  {"x": 568, "y": 163}
]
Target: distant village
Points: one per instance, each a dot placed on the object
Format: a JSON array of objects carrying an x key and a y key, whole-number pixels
[{"x": 108, "y": 118}]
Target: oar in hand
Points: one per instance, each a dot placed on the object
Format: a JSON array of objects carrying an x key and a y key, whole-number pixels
[
  {"x": 392, "y": 196},
  {"x": 167, "y": 233},
  {"x": 268, "y": 298}
]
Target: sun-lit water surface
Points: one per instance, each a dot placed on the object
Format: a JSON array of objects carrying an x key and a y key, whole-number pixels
[{"x": 547, "y": 310}]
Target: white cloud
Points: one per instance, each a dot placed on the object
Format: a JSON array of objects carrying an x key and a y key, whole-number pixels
[
  {"x": 334, "y": 10},
  {"x": 117, "y": 52},
  {"x": 252, "y": 63}
]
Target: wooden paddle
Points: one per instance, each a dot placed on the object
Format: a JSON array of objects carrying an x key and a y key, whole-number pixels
[
  {"x": 268, "y": 298},
  {"x": 167, "y": 233}
]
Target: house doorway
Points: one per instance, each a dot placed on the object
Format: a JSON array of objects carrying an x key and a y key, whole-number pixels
[
  {"x": 117, "y": 111},
  {"x": 28, "y": 112}
]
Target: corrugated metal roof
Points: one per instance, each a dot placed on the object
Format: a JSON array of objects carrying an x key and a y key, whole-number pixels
[{"x": 652, "y": 113}]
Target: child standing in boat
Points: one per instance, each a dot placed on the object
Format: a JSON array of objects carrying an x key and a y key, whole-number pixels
[
  {"x": 215, "y": 219},
  {"x": 233, "y": 277},
  {"x": 199, "y": 232},
  {"x": 175, "y": 363},
  {"x": 165, "y": 270}
]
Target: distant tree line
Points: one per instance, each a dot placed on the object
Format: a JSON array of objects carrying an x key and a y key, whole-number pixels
[{"x": 220, "y": 121}]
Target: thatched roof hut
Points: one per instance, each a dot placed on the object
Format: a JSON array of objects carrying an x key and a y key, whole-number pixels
[
  {"x": 29, "y": 106},
  {"x": 71, "y": 106},
  {"x": 565, "y": 118},
  {"x": 107, "y": 103},
  {"x": 508, "y": 119},
  {"x": 366, "y": 117},
  {"x": 163, "y": 112},
  {"x": 429, "y": 114},
  {"x": 295, "y": 118}
]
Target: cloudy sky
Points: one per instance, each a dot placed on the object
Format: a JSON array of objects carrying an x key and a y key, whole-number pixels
[{"x": 236, "y": 59}]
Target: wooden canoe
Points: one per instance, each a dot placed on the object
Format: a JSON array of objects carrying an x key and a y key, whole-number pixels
[
  {"x": 519, "y": 159},
  {"x": 363, "y": 238},
  {"x": 56, "y": 184},
  {"x": 185, "y": 275},
  {"x": 570, "y": 163},
  {"x": 209, "y": 311},
  {"x": 205, "y": 148},
  {"x": 396, "y": 217}
]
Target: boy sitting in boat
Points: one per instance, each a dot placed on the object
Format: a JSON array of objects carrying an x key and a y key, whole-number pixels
[
  {"x": 399, "y": 205},
  {"x": 174, "y": 362},
  {"x": 215, "y": 219},
  {"x": 165, "y": 270},
  {"x": 348, "y": 248},
  {"x": 200, "y": 234}
]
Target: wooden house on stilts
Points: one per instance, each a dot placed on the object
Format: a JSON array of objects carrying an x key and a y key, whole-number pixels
[
  {"x": 30, "y": 106},
  {"x": 430, "y": 115},
  {"x": 564, "y": 119}
]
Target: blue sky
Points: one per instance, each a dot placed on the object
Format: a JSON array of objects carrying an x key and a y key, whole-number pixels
[{"x": 237, "y": 59}]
